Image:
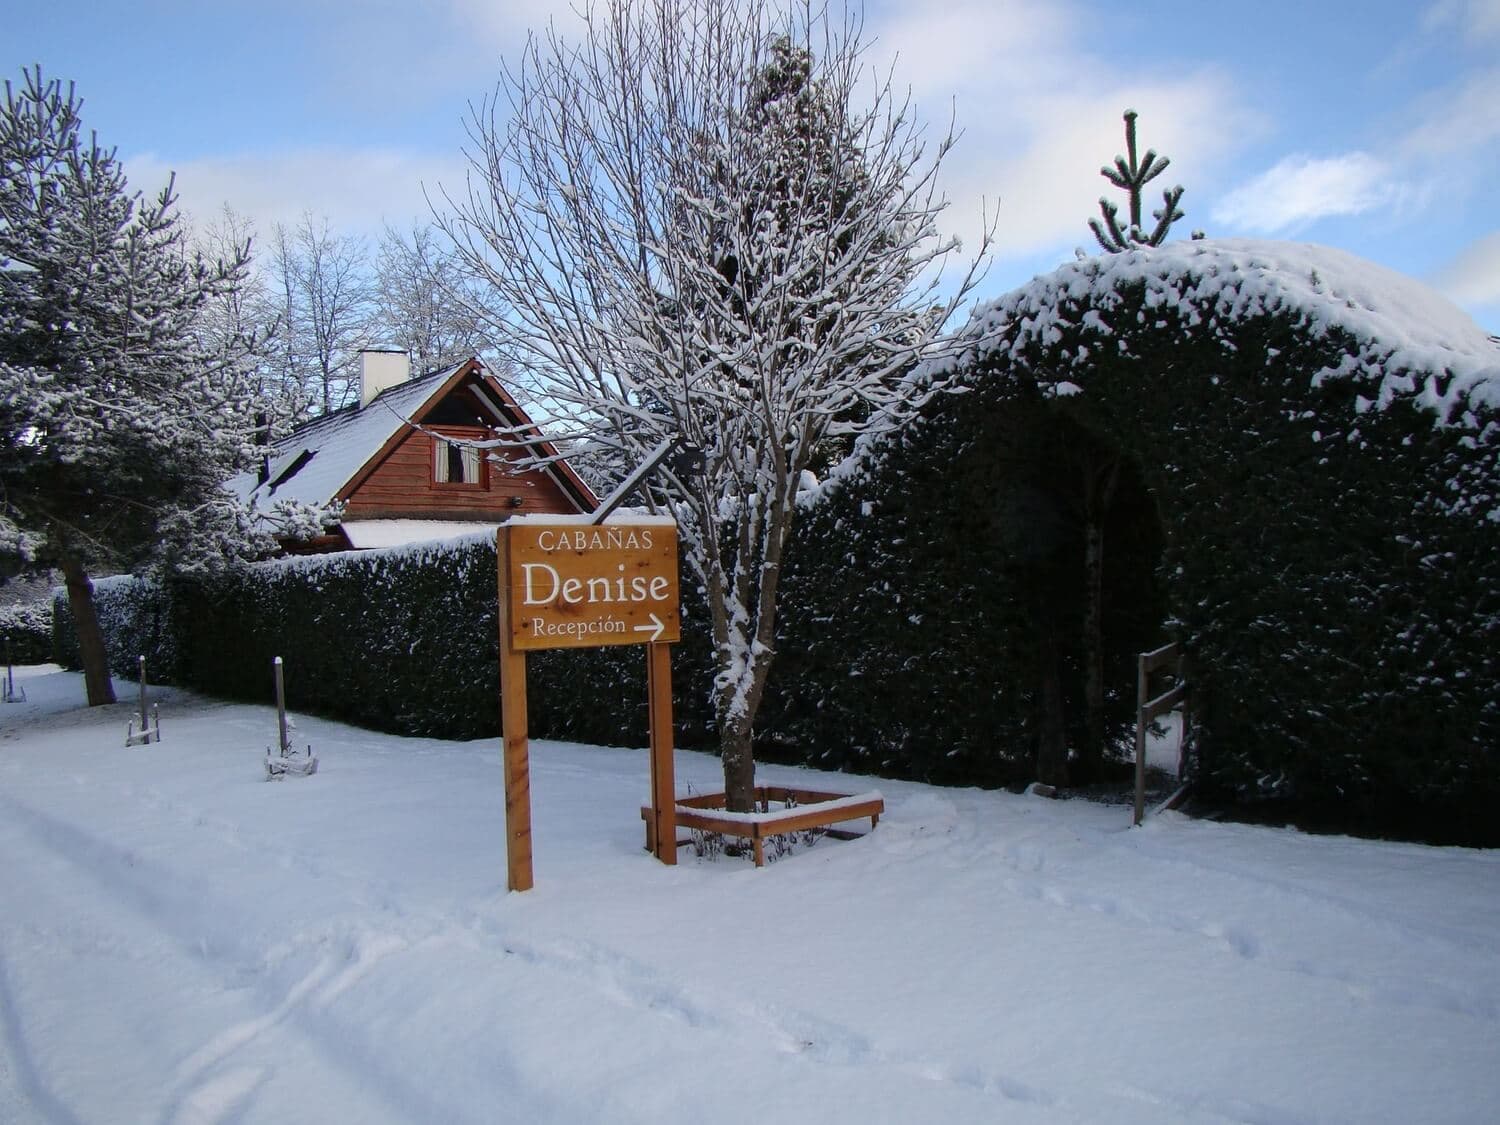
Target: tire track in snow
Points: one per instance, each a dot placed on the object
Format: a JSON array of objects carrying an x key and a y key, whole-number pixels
[
  {"x": 29, "y": 1083},
  {"x": 183, "y": 915},
  {"x": 790, "y": 1031},
  {"x": 222, "y": 1098},
  {"x": 1040, "y": 864}
]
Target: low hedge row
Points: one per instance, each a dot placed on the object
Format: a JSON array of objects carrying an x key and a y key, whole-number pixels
[{"x": 402, "y": 640}]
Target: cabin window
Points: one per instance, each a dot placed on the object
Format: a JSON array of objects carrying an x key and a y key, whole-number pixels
[{"x": 455, "y": 464}]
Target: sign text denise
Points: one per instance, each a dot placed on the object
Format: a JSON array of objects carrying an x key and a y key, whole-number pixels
[{"x": 575, "y": 586}]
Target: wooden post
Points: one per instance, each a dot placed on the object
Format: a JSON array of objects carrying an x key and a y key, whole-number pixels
[
  {"x": 513, "y": 728},
  {"x": 145, "y": 716},
  {"x": 280, "y": 706},
  {"x": 663, "y": 781}
]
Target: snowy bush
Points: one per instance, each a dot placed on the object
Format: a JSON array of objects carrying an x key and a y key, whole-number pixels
[
  {"x": 1320, "y": 438},
  {"x": 26, "y": 633},
  {"x": 926, "y": 584},
  {"x": 136, "y": 619}
]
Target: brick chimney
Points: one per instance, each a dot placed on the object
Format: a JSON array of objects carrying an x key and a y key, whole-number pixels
[{"x": 381, "y": 369}]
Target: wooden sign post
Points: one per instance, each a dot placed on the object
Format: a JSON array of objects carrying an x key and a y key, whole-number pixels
[{"x": 566, "y": 584}]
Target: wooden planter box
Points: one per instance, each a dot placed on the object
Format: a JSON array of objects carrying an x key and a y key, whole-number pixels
[{"x": 811, "y": 809}]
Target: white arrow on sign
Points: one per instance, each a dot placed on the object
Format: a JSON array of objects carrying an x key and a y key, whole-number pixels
[{"x": 656, "y": 629}]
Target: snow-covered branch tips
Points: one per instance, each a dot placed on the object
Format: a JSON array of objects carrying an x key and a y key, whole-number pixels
[{"x": 574, "y": 585}]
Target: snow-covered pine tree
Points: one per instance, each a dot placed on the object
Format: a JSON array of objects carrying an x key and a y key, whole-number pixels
[
  {"x": 1131, "y": 174},
  {"x": 705, "y": 221},
  {"x": 118, "y": 421}
]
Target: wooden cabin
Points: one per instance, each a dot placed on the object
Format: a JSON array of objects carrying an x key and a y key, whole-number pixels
[{"x": 408, "y": 463}]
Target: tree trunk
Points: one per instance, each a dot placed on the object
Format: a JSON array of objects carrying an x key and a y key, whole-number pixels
[
  {"x": 738, "y": 758},
  {"x": 92, "y": 653}
]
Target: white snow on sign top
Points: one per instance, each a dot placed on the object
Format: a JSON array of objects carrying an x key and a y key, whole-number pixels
[{"x": 1405, "y": 328}]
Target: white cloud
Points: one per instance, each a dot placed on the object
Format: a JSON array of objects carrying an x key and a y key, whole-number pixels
[
  {"x": 1040, "y": 116},
  {"x": 1301, "y": 189},
  {"x": 1473, "y": 278},
  {"x": 1479, "y": 19},
  {"x": 358, "y": 189},
  {"x": 1459, "y": 119},
  {"x": 976, "y": 46}
]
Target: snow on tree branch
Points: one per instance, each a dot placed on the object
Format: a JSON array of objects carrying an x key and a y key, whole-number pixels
[{"x": 710, "y": 221}]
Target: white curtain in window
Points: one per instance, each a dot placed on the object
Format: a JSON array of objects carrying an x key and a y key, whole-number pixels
[{"x": 444, "y": 467}]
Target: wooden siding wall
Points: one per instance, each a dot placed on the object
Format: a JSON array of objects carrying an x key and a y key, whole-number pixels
[{"x": 401, "y": 487}]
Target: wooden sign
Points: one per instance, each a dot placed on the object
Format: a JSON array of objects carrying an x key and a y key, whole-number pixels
[
  {"x": 578, "y": 585},
  {"x": 582, "y": 586}
]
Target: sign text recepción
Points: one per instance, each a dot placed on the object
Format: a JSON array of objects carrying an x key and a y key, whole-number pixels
[{"x": 581, "y": 586}]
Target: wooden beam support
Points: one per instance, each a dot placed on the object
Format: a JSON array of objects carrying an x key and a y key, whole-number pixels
[
  {"x": 513, "y": 727},
  {"x": 663, "y": 778}
]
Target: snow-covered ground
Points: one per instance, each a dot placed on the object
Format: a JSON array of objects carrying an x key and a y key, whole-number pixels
[{"x": 183, "y": 942}]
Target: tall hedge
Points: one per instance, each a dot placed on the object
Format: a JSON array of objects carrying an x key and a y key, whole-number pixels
[
  {"x": 26, "y": 633},
  {"x": 1309, "y": 500},
  {"x": 934, "y": 585},
  {"x": 1322, "y": 442}
]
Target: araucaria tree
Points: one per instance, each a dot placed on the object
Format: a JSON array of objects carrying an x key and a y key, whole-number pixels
[
  {"x": 709, "y": 221},
  {"x": 1131, "y": 174},
  {"x": 119, "y": 419}
]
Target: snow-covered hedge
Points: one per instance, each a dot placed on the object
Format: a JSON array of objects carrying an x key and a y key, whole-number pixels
[
  {"x": 1322, "y": 441},
  {"x": 926, "y": 585},
  {"x": 26, "y": 633},
  {"x": 402, "y": 640}
]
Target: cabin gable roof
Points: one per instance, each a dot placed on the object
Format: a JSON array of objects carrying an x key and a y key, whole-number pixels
[{"x": 330, "y": 457}]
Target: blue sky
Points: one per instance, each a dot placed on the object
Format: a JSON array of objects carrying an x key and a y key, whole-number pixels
[{"x": 1370, "y": 125}]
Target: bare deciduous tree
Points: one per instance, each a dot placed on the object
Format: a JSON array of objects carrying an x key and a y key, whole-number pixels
[
  {"x": 421, "y": 299},
  {"x": 324, "y": 299},
  {"x": 710, "y": 221},
  {"x": 232, "y": 319}
]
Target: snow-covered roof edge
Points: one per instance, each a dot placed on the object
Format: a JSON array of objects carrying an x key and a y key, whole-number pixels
[{"x": 333, "y": 454}]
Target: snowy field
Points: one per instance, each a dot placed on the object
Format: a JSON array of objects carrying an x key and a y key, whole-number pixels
[{"x": 182, "y": 942}]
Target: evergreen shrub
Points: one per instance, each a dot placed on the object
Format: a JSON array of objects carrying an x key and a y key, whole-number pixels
[
  {"x": 1328, "y": 489},
  {"x": 926, "y": 583},
  {"x": 26, "y": 633},
  {"x": 136, "y": 618},
  {"x": 401, "y": 640}
]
